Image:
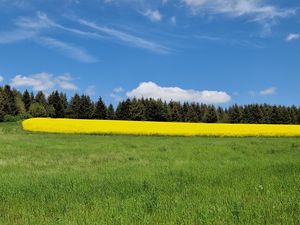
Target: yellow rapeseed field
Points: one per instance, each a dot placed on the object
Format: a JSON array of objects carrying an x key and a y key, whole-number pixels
[{"x": 157, "y": 128}]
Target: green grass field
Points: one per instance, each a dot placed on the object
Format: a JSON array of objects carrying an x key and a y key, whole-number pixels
[{"x": 81, "y": 179}]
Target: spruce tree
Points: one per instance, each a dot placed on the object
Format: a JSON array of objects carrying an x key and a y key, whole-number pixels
[
  {"x": 100, "y": 110},
  {"x": 211, "y": 115},
  {"x": 110, "y": 112},
  {"x": 40, "y": 98},
  {"x": 9, "y": 104},
  {"x": 137, "y": 110},
  {"x": 87, "y": 108},
  {"x": 26, "y": 99},
  {"x": 55, "y": 100},
  {"x": 74, "y": 107}
]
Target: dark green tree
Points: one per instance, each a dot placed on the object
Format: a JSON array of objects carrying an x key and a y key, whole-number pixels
[
  {"x": 26, "y": 99},
  {"x": 55, "y": 100},
  {"x": 211, "y": 115},
  {"x": 110, "y": 112},
  {"x": 235, "y": 114},
  {"x": 137, "y": 110},
  {"x": 87, "y": 108},
  {"x": 100, "y": 110},
  {"x": 123, "y": 109}
]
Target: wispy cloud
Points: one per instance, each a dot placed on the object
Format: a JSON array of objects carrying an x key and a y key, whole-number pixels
[
  {"x": 1, "y": 78},
  {"x": 268, "y": 91},
  {"x": 153, "y": 15},
  {"x": 12, "y": 36},
  {"x": 292, "y": 37},
  {"x": 67, "y": 49},
  {"x": 126, "y": 38},
  {"x": 152, "y": 90},
  {"x": 254, "y": 10},
  {"x": 32, "y": 29},
  {"x": 117, "y": 94},
  {"x": 44, "y": 81}
]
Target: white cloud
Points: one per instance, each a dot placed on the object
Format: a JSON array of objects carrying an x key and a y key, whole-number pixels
[
  {"x": 118, "y": 90},
  {"x": 152, "y": 90},
  {"x": 126, "y": 38},
  {"x": 253, "y": 8},
  {"x": 153, "y": 15},
  {"x": 68, "y": 50},
  {"x": 43, "y": 82},
  {"x": 91, "y": 90},
  {"x": 1, "y": 79},
  {"x": 66, "y": 82},
  {"x": 292, "y": 37},
  {"x": 268, "y": 91}
]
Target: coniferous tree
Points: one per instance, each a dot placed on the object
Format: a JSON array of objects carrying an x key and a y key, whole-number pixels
[
  {"x": 74, "y": 107},
  {"x": 87, "y": 108},
  {"x": 100, "y": 110},
  {"x": 235, "y": 114},
  {"x": 26, "y": 99},
  {"x": 110, "y": 112},
  {"x": 55, "y": 100},
  {"x": 191, "y": 114},
  {"x": 211, "y": 115},
  {"x": 137, "y": 110},
  {"x": 122, "y": 111},
  {"x": 9, "y": 104},
  {"x": 21, "y": 110},
  {"x": 40, "y": 98},
  {"x": 174, "y": 111}
]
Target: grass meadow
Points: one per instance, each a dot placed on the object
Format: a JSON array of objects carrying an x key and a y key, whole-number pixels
[{"x": 92, "y": 179}]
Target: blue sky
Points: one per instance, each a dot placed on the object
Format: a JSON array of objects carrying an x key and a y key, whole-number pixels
[{"x": 212, "y": 51}]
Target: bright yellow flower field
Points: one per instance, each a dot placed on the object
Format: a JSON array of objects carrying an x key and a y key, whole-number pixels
[{"x": 157, "y": 128}]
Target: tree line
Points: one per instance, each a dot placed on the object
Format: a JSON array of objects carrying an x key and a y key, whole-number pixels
[{"x": 15, "y": 105}]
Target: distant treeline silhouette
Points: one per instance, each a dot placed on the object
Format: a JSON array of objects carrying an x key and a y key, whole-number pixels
[{"x": 15, "y": 105}]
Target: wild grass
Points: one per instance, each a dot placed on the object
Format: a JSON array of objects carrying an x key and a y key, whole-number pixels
[{"x": 82, "y": 179}]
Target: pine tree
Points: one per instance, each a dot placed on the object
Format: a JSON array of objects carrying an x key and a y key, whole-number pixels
[
  {"x": 174, "y": 111},
  {"x": 191, "y": 114},
  {"x": 211, "y": 115},
  {"x": 100, "y": 110},
  {"x": 26, "y": 99},
  {"x": 74, "y": 107},
  {"x": 55, "y": 100},
  {"x": 122, "y": 111},
  {"x": 110, "y": 112},
  {"x": 235, "y": 113},
  {"x": 9, "y": 104},
  {"x": 40, "y": 98},
  {"x": 137, "y": 110},
  {"x": 87, "y": 108}
]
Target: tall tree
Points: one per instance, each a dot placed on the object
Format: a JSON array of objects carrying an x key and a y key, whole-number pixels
[
  {"x": 100, "y": 110},
  {"x": 55, "y": 100},
  {"x": 235, "y": 113},
  {"x": 110, "y": 112},
  {"x": 87, "y": 108},
  {"x": 74, "y": 107},
  {"x": 123, "y": 109},
  {"x": 211, "y": 115},
  {"x": 9, "y": 104},
  {"x": 137, "y": 110},
  {"x": 26, "y": 99}
]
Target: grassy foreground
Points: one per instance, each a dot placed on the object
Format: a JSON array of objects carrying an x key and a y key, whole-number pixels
[{"x": 82, "y": 179}]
